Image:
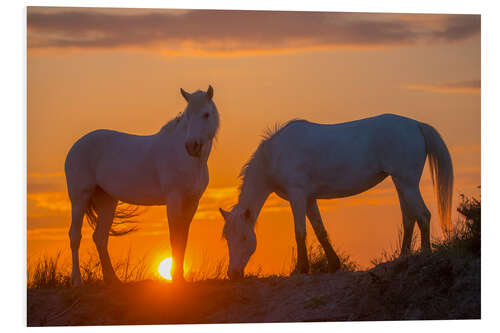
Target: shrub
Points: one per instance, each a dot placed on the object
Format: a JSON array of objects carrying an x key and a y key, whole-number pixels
[{"x": 465, "y": 236}]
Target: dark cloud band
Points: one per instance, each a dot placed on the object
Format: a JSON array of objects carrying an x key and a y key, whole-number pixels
[
  {"x": 233, "y": 31},
  {"x": 456, "y": 87}
]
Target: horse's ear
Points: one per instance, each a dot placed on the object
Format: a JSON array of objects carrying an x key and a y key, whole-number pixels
[
  {"x": 210, "y": 93},
  {"x": 185, "y": 94},
  {"x": 225, "y": 214}
]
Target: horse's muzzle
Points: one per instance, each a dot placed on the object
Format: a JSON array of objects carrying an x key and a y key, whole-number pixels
[{"x": 193, "y": 148}]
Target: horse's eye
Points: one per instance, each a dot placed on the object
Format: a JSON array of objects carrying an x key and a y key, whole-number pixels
[{"x": 206, "y": 115}]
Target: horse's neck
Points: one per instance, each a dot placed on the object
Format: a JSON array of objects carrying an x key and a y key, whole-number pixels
[
  {"x": 253, "y": 195},
  {"x": 177, "y": 135},
  {"x": 172, "y": 131}
]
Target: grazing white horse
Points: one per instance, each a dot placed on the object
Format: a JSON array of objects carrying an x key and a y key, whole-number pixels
[
  {"x": 167, "y": 168},
  {"x": 303, "y": 161}
]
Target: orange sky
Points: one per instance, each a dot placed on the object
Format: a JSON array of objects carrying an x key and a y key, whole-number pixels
[{"x": 122, "y": 70}]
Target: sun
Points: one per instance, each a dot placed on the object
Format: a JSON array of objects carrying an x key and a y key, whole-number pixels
[{"x": 165, "y": 267}]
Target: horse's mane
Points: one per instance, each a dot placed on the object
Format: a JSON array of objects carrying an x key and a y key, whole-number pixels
[
  {"x": 171, "y": 124},
  {"x": 261, "y": 154}
]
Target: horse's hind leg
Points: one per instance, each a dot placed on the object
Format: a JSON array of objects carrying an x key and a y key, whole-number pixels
[
  {"x": 78, "y": 207},
  {"x": 424, "y": 224},
  {"x": 416, "y": 210},
  {"x": 408, "y": 226},
  {"x": 298, "y": 203},
  {"x": 105, "y": 206},
  {"x": 319, "y": 229}
]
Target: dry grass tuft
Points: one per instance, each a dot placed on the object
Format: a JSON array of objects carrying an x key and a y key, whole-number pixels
[{"x": 48, "y": 272}]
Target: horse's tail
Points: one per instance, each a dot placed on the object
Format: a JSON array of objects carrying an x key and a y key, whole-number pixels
[
  {"x": 123, "y": 215},
  {"x": 441, "y": 172}
]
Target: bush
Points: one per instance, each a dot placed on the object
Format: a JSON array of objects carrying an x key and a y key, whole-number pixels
[
  {"x": 465, "y": 236},
  {"x": 470, "y": 208}
]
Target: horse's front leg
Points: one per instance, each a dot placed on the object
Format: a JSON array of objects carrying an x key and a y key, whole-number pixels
[
  {"x": 319, "y": 229},
  {"x": 180, "y": 212},
  {"x": 299, "y": 206}
]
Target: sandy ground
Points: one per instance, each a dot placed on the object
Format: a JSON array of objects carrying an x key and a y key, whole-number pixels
[{"x": 417, "y": 287}]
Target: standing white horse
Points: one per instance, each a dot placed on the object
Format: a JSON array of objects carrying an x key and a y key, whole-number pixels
[
  {"x": 167, "y": 168},
  {"x": 302, "y": 162}
]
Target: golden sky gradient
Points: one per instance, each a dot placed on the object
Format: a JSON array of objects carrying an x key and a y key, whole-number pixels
[{"x": 122, "y": 69}]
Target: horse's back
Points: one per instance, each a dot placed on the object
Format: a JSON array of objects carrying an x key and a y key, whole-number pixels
[
  {"x": 133, "y": 168},
  {"x": 389, "y": 123},
  {"x": 383, "y": 133},
  {"x": 103, "y": 155},
  {"x": 88, "y": 149},
  {"x": 346, "y": 158}
]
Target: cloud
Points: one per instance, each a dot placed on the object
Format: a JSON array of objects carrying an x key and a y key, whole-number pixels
[
  {"x": 37, "y": 175},
  {"x": 233, "y": 32},
  {"x": 466, "y": 149},
  {"x": 46, "y": 182},
  {"x": 456, "y": 87},
  {"x": 53, "y": 201}
]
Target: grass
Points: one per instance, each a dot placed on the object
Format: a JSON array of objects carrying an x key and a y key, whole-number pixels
[
  {"x": 394, "y": 251},
  {"x": 208, "y": 271},
  {"x": 48, "y": 272},
  {"x": 427, "y": 286},
  {"x": 318, "y": 261},
  {"x": 464, "y": 239}
]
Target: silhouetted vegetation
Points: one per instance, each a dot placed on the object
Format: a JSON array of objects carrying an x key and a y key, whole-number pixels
[
  {"x": 49, "y": 273},
  {"x": 444, "y": 284},
  {"x": 463, "y": 240},
  {"x": 318, "y": 262},
  {"x": 393, "y": 252},
  {"x": 465, "y": 237}
]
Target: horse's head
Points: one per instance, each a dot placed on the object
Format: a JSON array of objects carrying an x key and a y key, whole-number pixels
[
  {"x": 241, "y": 240},
  {"x": 202, "y": 120}
]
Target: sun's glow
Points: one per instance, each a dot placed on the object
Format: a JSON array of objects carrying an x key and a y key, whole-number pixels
[{"x": 165, "y": 268}]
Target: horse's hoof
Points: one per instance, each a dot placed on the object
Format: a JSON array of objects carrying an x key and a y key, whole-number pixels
[
  {"x": 427, "y": 250},
  {"x": 333, "y": 269},
  {"x": 303, "y": 270},
  {"x": 76, "y": 283},
  {"x": 114, "y": 282}
]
